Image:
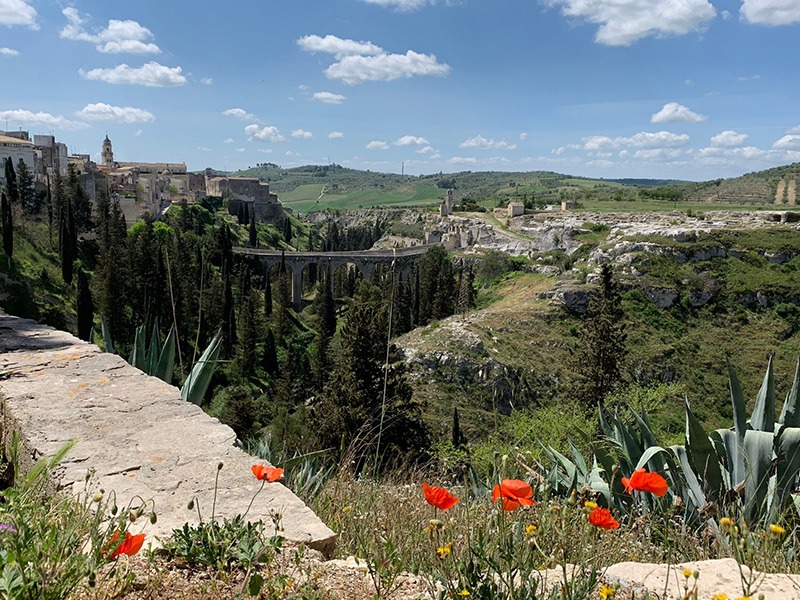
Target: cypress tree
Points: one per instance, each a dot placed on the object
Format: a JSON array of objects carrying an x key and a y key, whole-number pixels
[
  {"x": 27, "y": 195},
  {"x": 287, "y": 231},
  {"x": 267, "y": 294},
  {"x": 7, "y": 227},
  {"x": 67, "y": 256},
  {"x": 253, "y": 233},
  {"x": 11, "y": 182},
  {"x": 85, "y": 307},
  {"x": 270, "y": 362}
]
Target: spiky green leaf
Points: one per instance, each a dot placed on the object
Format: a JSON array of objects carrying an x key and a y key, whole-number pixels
[
  {"x": 196, "y": 384},
  {"x": 787, "y": 449},
  {"x": 790, "y": 414},
  {"x": 763, "y": 417},
  {"x": 758, "y": 459},
  {"x": 153, "y": 351},
  {"x": 166, "y": 359},
  {"x": 137, "y": 357},
  {"x": 702, "y": 456},
  {"x": 109, "y": 345}
]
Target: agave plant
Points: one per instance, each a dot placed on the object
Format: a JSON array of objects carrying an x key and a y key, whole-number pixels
[{"x": 752, "y": 468}]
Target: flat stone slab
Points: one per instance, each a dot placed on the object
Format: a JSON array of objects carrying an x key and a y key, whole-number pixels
[
  {"x": 135, "y": 432},
  {"x": 720, "y": 576}
]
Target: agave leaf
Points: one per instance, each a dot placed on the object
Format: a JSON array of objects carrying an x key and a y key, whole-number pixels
[
  {"x": 656, "y": 463},
  {"x": 758, "y": 459},
  {"x": 196, "y": 384},
  {"x": 580, "y": 461},
  {"x": 763, "y": 417},
  {"x": 695, "y": 494},
  {"x": 737, "y": 400},
  {"x": 790, "y": 414},
  {"x": 608, "y": 431},
  {"x": 729, "y": 450},
  {"x": 109, "y": 345},
  {"x": 296, "y": 460},
  {"x": 166, "y": 359},
  {"x": 137, "y": 357},
  {"x": 787, "y": 449},
  {"x": 153, "y": 351},
  {"x": 702, "y": 455}
]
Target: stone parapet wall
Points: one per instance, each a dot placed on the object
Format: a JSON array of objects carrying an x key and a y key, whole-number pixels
[{"x": 135, "y": 433}]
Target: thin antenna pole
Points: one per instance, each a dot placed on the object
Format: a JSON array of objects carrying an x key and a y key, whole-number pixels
[{"x": 386, "y": 363}]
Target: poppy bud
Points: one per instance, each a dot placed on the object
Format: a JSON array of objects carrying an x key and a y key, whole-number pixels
[
  {"x": 92, "y": 579},
  {"x": 98, "y": 497},
  {"x": 437, "y": 523},
  {"x": 696, "y": 574},
  {"x": 219, "y": 466},
  {"x": 132, "y": 517},
  {"x": 153, "y": 518},
  {"x": 114, "y": 509},
  {"x": 139, "y": 511},
  {"x": 573, "y": 498},
  {"x": 190, "y": 506}
]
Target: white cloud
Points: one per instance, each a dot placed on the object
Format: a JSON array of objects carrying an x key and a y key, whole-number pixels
[
  {"x": 788, "y": 142},
  {"x": 401, "y": 5},
  {"x": 302, "y": 134},
  {"x": 17, "y": 12},
  {"x": 409, "y": 140},
  {"x": 228, "y": 141},
  {"x": 240, "y": 150},
  {"x": 749, "y": 78},
  {"x": 794, "y": 129},
  {"x": 728, "y": 139},
  {"x": 268, "y": 133},
  {"x": 726, "y": 15},
  {"x": 121, "y": 114},
  {"x": 204, "y": 149},
  {"x": 151, "y": 74},
  {"x": 672, "y": 112},
  {"x": 623, "y": 22},
  {"x": 328, "y": 97},
  {"x": 462, "y": 160},
  {"x": 481, "y": 142},
  {"x": 20, "y": 116},
  {"x": 386, "y": 67},
  {"x": 8, "y": 52},
  {"x": 339, "y": 47},
  {"x": 138, "y": 133},
  {"x": 425, "y": 150},
  {"x": 265, "y": 150},
  {"x": 207, "y": 80},
  {"x": 771, "y": 12},
  {"x": 335, "y": 135},
  {"x": 117, "y": 37},
  {"x": 523, "y": 137},
  {"x": 688, "y": 82},
  {"x": 377, "y": 145},
  {"x": 659, "y": 139},
  {"x": 240, "y": 113},
  {"x": 358, "y": 62}
]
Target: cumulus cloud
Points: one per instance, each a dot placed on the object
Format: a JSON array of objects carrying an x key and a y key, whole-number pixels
[
  {"x": 623, "y": 22},
  {"x": 728, "y": 139},
  {"x": 151, "y": 74},
  {"x": 788, "y": 142},
  {"x": 120, "y": 114},
  {"x": 672, "y": 112},
  {"x": 771, "y": 12},
  {"x": 486, "y": 144},
  {"x": 228, "y": 141},
  {"x": 328, "y": 97},
  {"x": 339, "y": 47},
  {"x": 207, "y": 80},
  {"x": 335, "y": 135},
  {"x": 24, "y": 117},
  {"x": 8, "y": 52},
  {"x": 357, "y": 62},
  {"x": 749, "y": 78},
  {"x": 462, "y": 160},
  {"x": 401, "y": 5},
  {"x": 240, "y": 113},
  {"x": 410, "y": 140},
  {"x": 377, "y": 145},
  {"x": 117, "y": 37},
  {"x": 204, "y": 148},
  {"x": 425, "y": 150},
  {"x": 523, "y": 137},
  {"x": 302, "y": 134},
  {"x": 268, "y": 133},
  {"x": 17, "y": 12}
]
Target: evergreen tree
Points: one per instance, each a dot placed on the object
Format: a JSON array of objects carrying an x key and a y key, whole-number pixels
[
  {"x": 228, "y": 320},
  {"x": 267, "y": 294},
  {"x": 249, "y": 332},
  {"x": 602, "y": 351},
  {"x": 351, "y": 411},
  {"x": 7, "y": 226},
  {"x": 283, "y": 300},
  {"x": 466, "y": 290},
  {"x": 81, "y": 203},
  {"x": 252, "y": 231},
  {"x": 270, "y": 361},
  {"x": 287, "y": 231},
  {"x": 27, "y": 195},
  {"x": 67, "y": 239},
  {"x": 324, "y": 305},
  {"x": 85, "y": 307},
  {"x": 11, "y": 182},
  {"x": 49, "y": 200}
]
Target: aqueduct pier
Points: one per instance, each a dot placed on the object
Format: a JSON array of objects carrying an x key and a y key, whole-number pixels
[{"x": 364, "y": 260}]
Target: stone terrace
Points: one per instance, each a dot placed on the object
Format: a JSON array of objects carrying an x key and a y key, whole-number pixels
[{"x": 135, "y": 432}]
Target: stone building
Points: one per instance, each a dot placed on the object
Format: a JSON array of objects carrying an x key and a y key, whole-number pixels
[
  {"x": 17, "y": 146},
  {"x": 516, "y": 209},
  {"x": 51, "y": 156},
  {"x": 248, "y": 190}
]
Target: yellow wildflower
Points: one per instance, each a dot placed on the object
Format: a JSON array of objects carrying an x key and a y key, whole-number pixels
[
  {"x": 607, "y": 592},
  {"x": 725, "y": 522},
  {"x": 444, "y": 551},
  {"x": 463, "y": 592},
  {"x": 531, "y": 530},
  {"x": 744, "y": 598},
  {"x": 776, "y": 529},
  {"x": 687, "y": 573},
  {"x": 589, "y": 505},
  {"x": 720, "y": 596}
]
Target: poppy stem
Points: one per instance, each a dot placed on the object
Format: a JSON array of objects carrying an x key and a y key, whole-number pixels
[{"x": 249, "y": 506}]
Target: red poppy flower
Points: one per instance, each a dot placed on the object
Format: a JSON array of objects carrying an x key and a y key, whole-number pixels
[
  {"x": 601, "y": 517},
  {"x": 515, "y": 493},
  {"x": 438, "y": 497},
  {"x": 642, "y": 481},
  {"x": 265, "y": 473},
  {"x": 130, "y": 546}
]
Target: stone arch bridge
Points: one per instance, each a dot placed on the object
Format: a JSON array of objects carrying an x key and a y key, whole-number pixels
[{"x": 364, "y": 260}]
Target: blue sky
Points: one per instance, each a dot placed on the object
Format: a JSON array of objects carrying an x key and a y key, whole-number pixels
[{"x": 689, "y": 89}]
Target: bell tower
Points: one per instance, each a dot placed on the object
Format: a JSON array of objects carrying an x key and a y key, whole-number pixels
[{"x": 107, "y": 154}]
